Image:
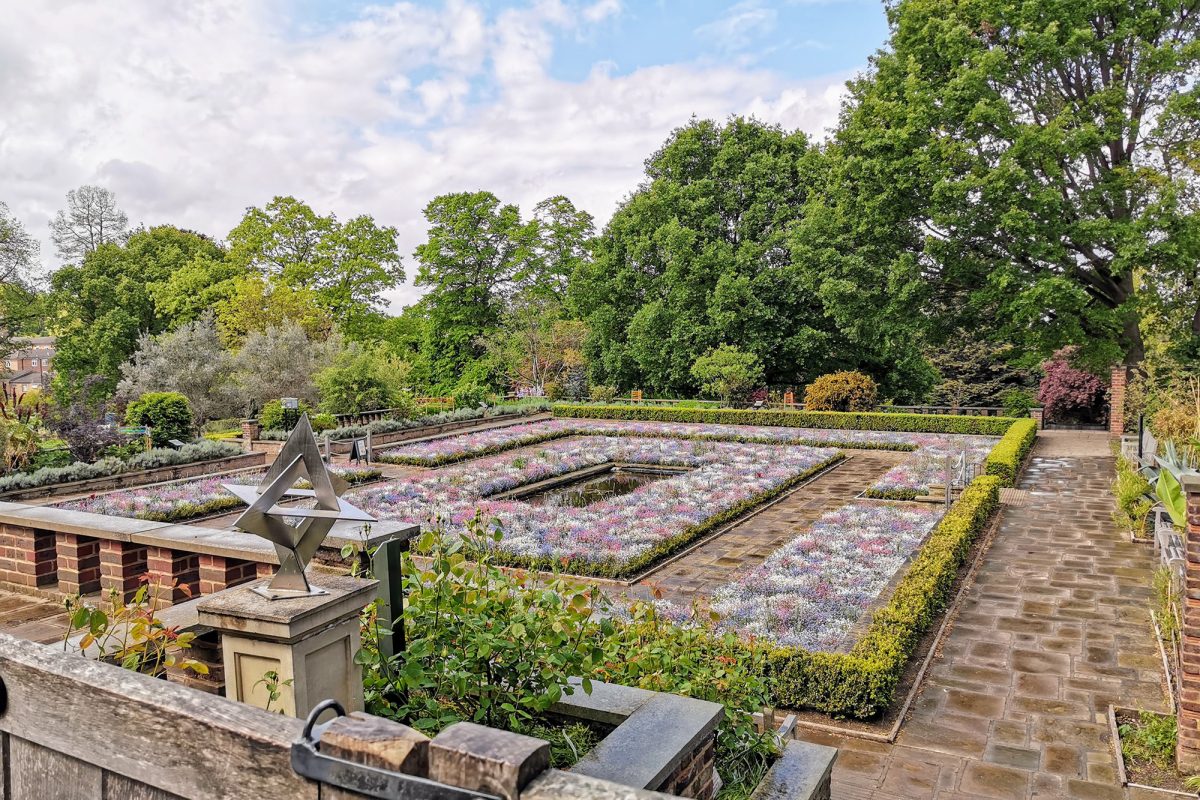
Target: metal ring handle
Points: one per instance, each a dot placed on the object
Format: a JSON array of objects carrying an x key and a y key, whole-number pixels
[{"x": 319, "y": 709}]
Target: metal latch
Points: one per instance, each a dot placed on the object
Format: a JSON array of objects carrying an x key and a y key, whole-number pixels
[{"x": 309, "y": 762}]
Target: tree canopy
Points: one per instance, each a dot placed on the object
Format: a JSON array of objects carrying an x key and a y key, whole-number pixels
[{"x": 1036, "y": 160}]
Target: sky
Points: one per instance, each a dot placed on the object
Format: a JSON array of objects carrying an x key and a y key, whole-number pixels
[{"x": 193, "y": 112}]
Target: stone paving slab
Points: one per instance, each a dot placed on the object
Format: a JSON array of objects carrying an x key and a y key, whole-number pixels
[{"x": 1054, "y": 628}]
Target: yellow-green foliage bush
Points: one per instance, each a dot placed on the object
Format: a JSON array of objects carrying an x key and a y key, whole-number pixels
[
  {"x": 841, "y": 391},
  {"x": 1005, "y": 459},
  {"x": 1132, "y": 492},
  {"x": 835, "y": 420},
  {"x": 861, "y": 683}
]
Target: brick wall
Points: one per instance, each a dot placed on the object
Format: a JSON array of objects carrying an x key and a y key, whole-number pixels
[
  {"x": 695, "y": 775},
  {"x": 28, "y": 558},
  {"x": 1116, "y": 401},
  {"x": 1188, "y": 741}
]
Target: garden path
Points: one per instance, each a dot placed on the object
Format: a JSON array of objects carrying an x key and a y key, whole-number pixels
[
  {"x": 748, "y": 543},
  {"x": 33, "y": 618},
  {"x": 1054, "y": 627}
]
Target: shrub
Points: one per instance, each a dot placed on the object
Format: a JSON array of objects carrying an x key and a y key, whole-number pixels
[
  {"x": 1067, "y": 393},
  {"x": 322, "y": 422},
  {"x": 553, "y": 390},
  {"x": 728, "y": 373},
  {"x": 1133, "y": 494},
  {"x": 83, "y": 424},
  {"x": 841, "y": 391},
  {"x": 168, "y": 415},
  {"x": 470, "y": 396},
  {"x": 1017, "y": 402},
  {"x": 277, "y": 418},
  {"x": 1009, "y": 453},
  {"x": 858, "y": 421},
  {"x": 1176, "y": 422},
  {"x": 356, "y": 383},
  {"x": 603, "y": 394},
  {"x": 861, "y": 683}
]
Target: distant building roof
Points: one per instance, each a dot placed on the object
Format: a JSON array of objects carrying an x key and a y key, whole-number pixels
[{"x": 28, "y": 377}]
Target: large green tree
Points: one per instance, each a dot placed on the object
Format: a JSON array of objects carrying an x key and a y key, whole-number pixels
[
  {"x": 346, "y": 265},
  {"x": 1033, "y": 163},
  {"x": 108, "y": 301},
  {"x": 18, "y": 300},
  {"x": 702, "y": 255},
  {"x": 486, "y": 267}
]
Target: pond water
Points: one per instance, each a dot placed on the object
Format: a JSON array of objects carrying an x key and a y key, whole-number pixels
[{"x": 593, "y": 488}]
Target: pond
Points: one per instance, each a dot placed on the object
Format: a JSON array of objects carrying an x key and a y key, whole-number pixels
[{"x": 585, "y": 490}]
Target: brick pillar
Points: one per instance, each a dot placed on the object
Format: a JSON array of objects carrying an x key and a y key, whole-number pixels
[
  {"x": 250, "y": 429},
  {"x": 122, "y": 565},
  {"x": 1116, "y": 402},
  {"x": 1187, "y": 750},
  {"x": 174, "y": 567},
  {"x": 27, "y": 556},
  {"x": 1038, "y": 415},
  {"x": 217, "y": 573},
  {"x": 78, "y": 563}
]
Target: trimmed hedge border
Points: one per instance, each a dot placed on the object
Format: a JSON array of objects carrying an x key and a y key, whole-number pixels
[
  {"x": 835, "y": 420},
  {"x": 635, "y": 565},
  {"x": 1009, "y": 453},
  {"x": 861, "y": 683},
  {"x": 542, "y": 438}
]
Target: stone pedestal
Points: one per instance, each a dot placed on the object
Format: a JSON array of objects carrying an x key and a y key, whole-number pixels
[{"x": 310, "y": 641}]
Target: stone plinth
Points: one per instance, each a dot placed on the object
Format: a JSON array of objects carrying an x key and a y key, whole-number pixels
[{"x": 310, "y": 641}]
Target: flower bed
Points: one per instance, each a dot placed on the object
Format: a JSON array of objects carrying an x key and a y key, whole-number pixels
[
  {"x": 810, "y": 592},
  {"x": 613, "y": 537},
  {"x": 903, "y": 482},
  {"x": 179, "y": 501}
]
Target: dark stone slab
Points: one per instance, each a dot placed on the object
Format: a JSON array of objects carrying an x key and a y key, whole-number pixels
[{"x": 802, "y": 772}]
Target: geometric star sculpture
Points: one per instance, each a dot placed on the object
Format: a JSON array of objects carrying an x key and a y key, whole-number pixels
[{"x": 295, "y": 532}]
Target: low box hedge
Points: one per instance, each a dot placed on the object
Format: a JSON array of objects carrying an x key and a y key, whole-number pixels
[
  {"x": 1006, "y": 457},
  {"x": 862, "y": 682},
  {"x": 853, "y": 420}
]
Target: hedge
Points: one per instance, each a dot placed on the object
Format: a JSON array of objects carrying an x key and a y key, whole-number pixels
[
  {"x": 1006, "y": 457},
  {"x": 862, "y": 682},
  {"x": 393, "y": 425},
  {"x": 151, "y": 459},
  {"x": 549, "y": 436},
  {"x": 835, "y": 420}
]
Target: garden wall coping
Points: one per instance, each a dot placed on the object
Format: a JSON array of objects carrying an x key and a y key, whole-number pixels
[
  {"x": 608, "y": 704},
  {"x": 554, "y": 784},
  {"x": 646, "y": 748},
  {"x": 226, "y": 543},
  {"x": 802, "y": 772}
]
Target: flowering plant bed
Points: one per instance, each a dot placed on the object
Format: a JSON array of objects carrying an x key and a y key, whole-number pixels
[
  {"x": 615, "y": 537},
  {"x": 903, "y": 482},
  {"x": 811, "y": 592},
  {"x": 191, "y": 499}
]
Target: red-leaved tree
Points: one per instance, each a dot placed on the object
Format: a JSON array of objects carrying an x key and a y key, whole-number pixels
[{"x": 1066, "y": 392}]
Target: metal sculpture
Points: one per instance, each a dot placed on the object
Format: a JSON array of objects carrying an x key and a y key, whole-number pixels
[{"x": 295, "y": 530}]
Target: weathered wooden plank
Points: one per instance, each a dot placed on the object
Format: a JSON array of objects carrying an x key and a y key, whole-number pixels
[
  {"x": 41, "y": 773},
  {"x": 118, "y": 787},
  {"x": 161, "y": 734}
]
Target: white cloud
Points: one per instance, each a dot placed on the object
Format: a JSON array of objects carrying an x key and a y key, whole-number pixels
[
  {"x": 741, "y": 25},
  {"x": 192, "y": 112}
]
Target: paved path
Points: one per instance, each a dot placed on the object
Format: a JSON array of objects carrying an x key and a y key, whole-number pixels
[
  {"x": 747, "y": 544},
  {"x": 1053, "y": 629}
]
